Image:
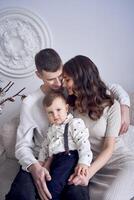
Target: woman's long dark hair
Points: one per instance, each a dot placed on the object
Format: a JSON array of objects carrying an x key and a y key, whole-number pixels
[{"x": 91, "y": 92}]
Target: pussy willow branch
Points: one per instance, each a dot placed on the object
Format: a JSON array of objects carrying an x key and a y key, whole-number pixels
[
  {"x": 18, "y": 92},
  {"x": 8, "y": 86},
  {"x": 12, "y": 97}
]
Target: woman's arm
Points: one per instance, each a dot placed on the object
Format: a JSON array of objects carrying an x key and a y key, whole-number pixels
[
  {"x": 113, "y": 121},
  {"x": 100, "y": 161},
  {"x": 103, "y": 157}
]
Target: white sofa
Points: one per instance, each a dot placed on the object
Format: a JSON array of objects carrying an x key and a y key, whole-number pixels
[{"x": 8, "y": 163}]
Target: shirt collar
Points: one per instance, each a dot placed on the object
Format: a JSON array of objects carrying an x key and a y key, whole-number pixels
[{"x": 67, "y": 120}]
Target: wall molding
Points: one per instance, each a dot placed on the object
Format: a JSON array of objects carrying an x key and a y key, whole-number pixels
[{"x": 22, "y": 35}]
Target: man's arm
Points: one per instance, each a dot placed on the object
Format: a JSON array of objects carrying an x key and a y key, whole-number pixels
[
  {"x": 24, "y": 140},
  {"x": 121, "y": 95},
  {"x": 44, "y": 153},
  {"x": 24, "y": 152}
]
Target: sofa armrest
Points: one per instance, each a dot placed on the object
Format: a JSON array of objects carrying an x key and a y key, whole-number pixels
[
  {"x": 1, "y": 149},
  {"x": 1, "y": 146},
  {"x": 132, "y": 108},
  {"x": 8, "y": 134}
]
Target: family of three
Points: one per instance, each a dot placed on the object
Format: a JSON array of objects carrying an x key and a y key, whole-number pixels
[{"x": 69, "y": 142}]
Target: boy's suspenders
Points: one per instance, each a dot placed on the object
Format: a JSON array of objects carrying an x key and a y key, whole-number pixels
[{"x": 66, "y": 139}]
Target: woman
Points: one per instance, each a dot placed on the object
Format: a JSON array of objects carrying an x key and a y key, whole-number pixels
[{"x": 111, "y": 173}]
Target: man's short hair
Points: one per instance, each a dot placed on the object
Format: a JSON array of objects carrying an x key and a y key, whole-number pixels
[{"x": 48, "y": 60}]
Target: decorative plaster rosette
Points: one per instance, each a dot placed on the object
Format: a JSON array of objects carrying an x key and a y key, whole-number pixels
[{"x": 22, "y": 35}]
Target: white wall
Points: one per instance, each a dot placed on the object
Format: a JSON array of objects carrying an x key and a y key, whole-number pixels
[{"x": 102, "y": 30}]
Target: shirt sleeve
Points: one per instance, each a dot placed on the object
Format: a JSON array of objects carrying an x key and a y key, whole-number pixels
[
  {"x": 113, "y": 120},
  {"x": 44, "y": 151},
  {"x": 120, "y": 94},
  {"x": 80, "y": 135},
  {"x": 24, "y": 141}
]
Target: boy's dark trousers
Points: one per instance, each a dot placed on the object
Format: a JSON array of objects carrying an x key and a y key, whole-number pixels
[
  {"x": 23, "y": 187},
  {"x": 62, "y": 167}
]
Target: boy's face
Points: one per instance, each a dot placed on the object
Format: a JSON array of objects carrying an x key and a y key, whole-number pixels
[
  {"x": 57, "y": 112},
  {"x": 52, "y": 80}
]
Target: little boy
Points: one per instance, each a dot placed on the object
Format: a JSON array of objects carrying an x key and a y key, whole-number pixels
[{"x": 66, "y": 147}]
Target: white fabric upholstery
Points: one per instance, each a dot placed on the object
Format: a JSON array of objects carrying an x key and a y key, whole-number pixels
[
  {"x": 132, "y": 108},
  {"x": 9, "y": 136},
  {"x": 8, "y": 163}
]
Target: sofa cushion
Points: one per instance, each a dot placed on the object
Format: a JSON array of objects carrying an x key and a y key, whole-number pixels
[
  {"x": 8, "y": 170},
  {"x": 9, "y": 136},
  {"x": 129, "y": 138}
]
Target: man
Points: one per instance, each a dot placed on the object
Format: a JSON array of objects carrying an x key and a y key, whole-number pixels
[{"x": 30, "y": 183}]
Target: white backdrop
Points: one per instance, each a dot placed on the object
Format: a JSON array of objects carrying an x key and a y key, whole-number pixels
[{"x": 102, "y": 30}]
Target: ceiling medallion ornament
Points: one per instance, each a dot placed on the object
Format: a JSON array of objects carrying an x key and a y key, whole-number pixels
[{"x": 22, "y": 35}]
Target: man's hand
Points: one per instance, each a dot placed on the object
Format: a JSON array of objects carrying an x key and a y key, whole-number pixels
[
  {"x": 40, "y": 175},
  {"x": 125, "y": 119}
]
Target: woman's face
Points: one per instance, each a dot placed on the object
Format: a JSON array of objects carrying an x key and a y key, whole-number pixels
[{"x": 68, "y": 83}]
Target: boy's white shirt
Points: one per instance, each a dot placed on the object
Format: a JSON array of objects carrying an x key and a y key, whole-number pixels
[
  {"x": 78, "y": 139},
  {"x": 33, "y": 125}
]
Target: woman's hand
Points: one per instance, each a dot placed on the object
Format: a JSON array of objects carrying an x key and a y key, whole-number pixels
[
  {"x": 81, "y": 169},
  {"x": 125, "y": 119},
  {"x": 40, "y": 175},
  {"x": 79, "y": 179},
  {"x": 98, "y": 163}
]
